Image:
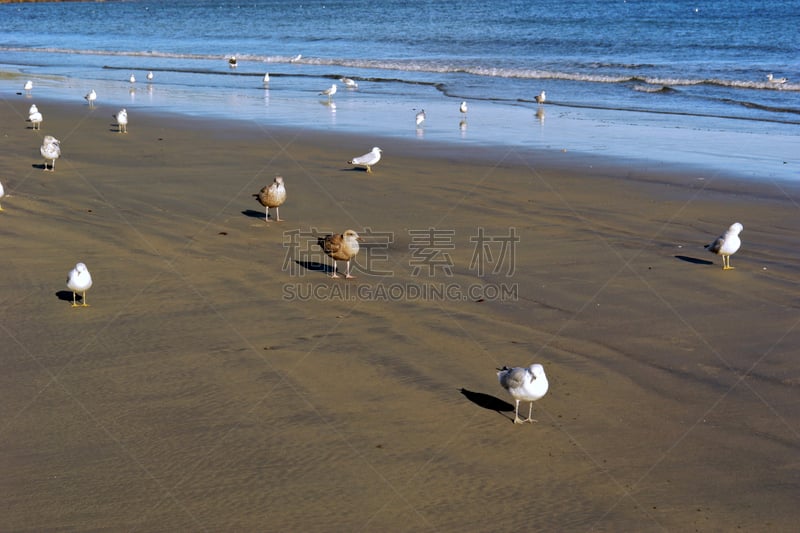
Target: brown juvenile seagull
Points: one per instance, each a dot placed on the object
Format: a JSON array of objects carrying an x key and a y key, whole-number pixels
[
  {"x": 272, "y": 196},
  {"x": 340, "y": 247}
]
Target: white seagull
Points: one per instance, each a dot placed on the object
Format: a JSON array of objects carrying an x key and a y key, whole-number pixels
[
  {"x": 420, "y": 118},
  {"x": 528, "y": 384},
  {"x": 329, "y": 92},
  {"x": 463, "y": 107},
  {"x": 367, "y": 160},
  {"x": 36, "y": 119},
  {"x": 132, "y": 79},
  {"x": 91, "y": 96},
  {"x": 79, "y": 280},
  {"x": 51, "y": 149},
  {"x": 727, "y": 244},
  {"x": 349, "y": 83},
  {"x": 266, "y": 78},
  {"x": 122, "y": 121},
  {"x": 28, "y": 86},
  {"x": 272, "y": 196},
  {"x": 772, "y": 79},
  {"x": 540, "y": 98},
  {"x": 296, "y": 58},
  {"x": 33, "y": 109},
  {"x": 150, "y": 76}
]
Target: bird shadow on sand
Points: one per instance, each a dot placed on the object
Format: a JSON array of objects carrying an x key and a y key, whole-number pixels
[
  {"x": 40, "y": 167},
  {"x": 252, "y": 213},
  {"x": 694, "y": 260},
  {"x": 487, "y": 401},
  {"x": 314, "y": 266},
  {"x": 67, "y": 296},
  {"x": 354, "y": 169}
]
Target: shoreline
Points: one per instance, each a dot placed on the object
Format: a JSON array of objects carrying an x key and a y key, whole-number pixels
[{"x": 194, "y": 393}]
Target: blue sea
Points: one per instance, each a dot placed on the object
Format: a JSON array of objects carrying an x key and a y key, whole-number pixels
[{"x": 664, "y": 81}]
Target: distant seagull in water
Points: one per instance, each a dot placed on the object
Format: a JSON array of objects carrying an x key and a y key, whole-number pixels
[
  {"x": 122, "y": 121},
  {"x": 420, "y": 118},
  {"x": 524, "y": 384},
  {"x": 340, "y": 247},
  {"x": 296, "y": 58},
  {"x": 51, "y": 149},
  {"x": 79, "y": 280},
  {"x": 150, "y": 76},
  {"x": 28, "y": 86},
  {"x": 132, "y": 79},
  {"x": 367, "y": 160},
  {"x": 463, "y": 108},
  {"x": 36, "y": 120},
  {"x": 272, "y": 196},
  {"x": 329, "y": 92},
  {"x": 266, "y": 78},
  {"x": 540, "y": 98},
  {"x": 91, "y": 96},
  {"x": 727, "y": 244},
  {"x": 349, "y": 83},
  {"x": 2, "y": 193},
  {"x": 232, "y": 62},
  {"x": 772, "y": 79}
]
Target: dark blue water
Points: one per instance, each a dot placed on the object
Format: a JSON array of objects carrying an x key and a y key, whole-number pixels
[{"x": 669, "y": 80}]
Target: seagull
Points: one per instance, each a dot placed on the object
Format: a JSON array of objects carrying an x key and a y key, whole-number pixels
[
  {"x": 132, "y": 79},
  {"x": 463, "y": 107},
  {"x": 420, "y": 118},
  {"x": 340, "y": 247},
  {"x": 232, "y": 62},
  {"x": 296, "y": 58},
  {"x": 91, "y": 96},
  {"x": 122, "y": 121},
  {"x": 28, "y": 86},
  {"x": 367, "y": 160},
  {"x": 150, "y": 76},
  {"x": 349, "y": 83},
  {"x": 79, "y": 280},
  {"x": 51, "y": 149},
  {"x": 33, "y": 109},
  {"x": 540, "y": 98},
  {"x": 527, "y": 384},
  {"x": 772, "y": 79},
  {"x": 2, "y": 193},
  {"x": 36, "y": 119},
  {"x": 329, "y": 92},
  {"x": 266, "y": 78},
  {"x": 727, "y": 244},
  {"x": 272, "y": 196}
]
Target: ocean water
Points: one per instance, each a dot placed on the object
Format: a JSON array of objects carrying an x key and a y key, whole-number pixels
[{"x": 670, "y": 81}]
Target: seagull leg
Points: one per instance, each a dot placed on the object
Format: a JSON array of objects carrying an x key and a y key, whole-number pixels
[
  {"x": 266, "y": 213},
  {"x": 347, "y": 273},
  {"x": 84, "y": 299},
  {"x": 726, "y": 262},
  {"x": 517, "y": 419},
  {"x": 278, "y": 215},
  {"x": 334, "y": 275},
  {"x": 530, "y": 413},
  {"x": 74, "y": 303}
]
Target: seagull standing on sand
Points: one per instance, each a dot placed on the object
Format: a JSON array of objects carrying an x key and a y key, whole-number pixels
[
  {"x": 28, "y": 86},
  {"x": 528, "y": 384},
  {"x": 420, "y": 117},
  {"x": 91, "y": 96},
  {"x": 122, "y": 121},
  {"x": 340, "y": 247},
  {"x": 36, "y": 119},
  {"x": 79, "y": 280},
  {"x": 349, "y": 83},
  {"x": 463, "y": 108},
  {"x": 272, "y": 196},
  {"x": 367, "y": 160},
  {"x": 51, "y": 149},
  {"x": 33, "y": 109},
  {"x": 540, "y": 98},
  {"x": 329, "y": 92},
  {"x": 150, "y": 76},
  {"x": 727, "y": 244}
]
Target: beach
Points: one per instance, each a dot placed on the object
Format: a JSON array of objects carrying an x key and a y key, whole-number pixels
[{"x": 221, "y": 380}]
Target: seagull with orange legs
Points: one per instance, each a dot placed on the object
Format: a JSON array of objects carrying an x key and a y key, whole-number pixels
[
  {"x": 367, "y": 160},
  {"x": 272, "y": 196},
  {"x": 340, "y": 247},
  {"x": 528, "y": 384},
  {"x": 51, "y": 149},
  {"x": 79, "y": 280},
  {"x": 727, "y": 244}
]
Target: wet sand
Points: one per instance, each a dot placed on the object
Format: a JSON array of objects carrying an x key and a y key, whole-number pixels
[{"x": 220, "y": 380}]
